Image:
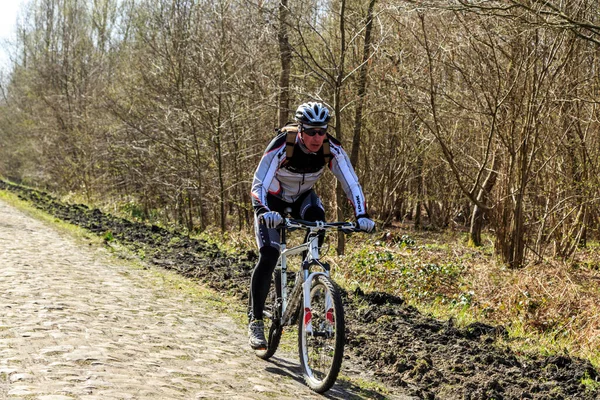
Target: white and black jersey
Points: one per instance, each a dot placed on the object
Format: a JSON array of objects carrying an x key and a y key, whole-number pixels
[{"x": 289, "y": 180}]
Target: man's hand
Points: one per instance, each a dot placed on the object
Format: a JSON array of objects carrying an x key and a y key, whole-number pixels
[
  {"x": 366, "y": 224},
  {"x": 271, "y": 219}
]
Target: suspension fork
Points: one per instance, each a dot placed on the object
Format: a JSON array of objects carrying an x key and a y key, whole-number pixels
[
  {"x": 312, "y": 258},
  {"x": 291, "y": 302}
]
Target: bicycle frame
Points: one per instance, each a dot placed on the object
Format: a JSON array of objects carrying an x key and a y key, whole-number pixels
[{"x": 311, "y": 246}]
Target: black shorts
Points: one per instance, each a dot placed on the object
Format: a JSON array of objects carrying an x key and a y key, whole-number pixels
[{"x": 270, "y": 237}]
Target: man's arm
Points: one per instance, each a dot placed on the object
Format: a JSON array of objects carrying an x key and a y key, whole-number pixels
[
  {"x": 342, "y": 168},
  {"x": 265, "y": 173}
]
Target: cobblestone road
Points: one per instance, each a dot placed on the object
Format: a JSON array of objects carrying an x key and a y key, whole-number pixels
[{"x": 77, "y": 324}]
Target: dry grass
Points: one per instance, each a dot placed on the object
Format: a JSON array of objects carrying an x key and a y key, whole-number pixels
[{"x": 553, "y": 301}]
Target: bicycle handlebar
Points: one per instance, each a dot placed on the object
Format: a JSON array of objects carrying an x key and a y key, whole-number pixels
[
  {"x": 293, "y": 224},
  {"x": 346, "y": 227}
]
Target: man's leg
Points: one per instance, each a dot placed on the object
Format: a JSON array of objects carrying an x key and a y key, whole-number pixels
[
  {"x": 268, "y": 242},
  {"x": 261, "y": 280},
  {"x": 311, "y": 209}
]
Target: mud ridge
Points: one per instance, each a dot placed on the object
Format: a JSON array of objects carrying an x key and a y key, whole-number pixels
[{"x": 429, "y": 358}]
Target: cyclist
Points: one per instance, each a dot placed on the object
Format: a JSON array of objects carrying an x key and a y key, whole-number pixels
[{"x": 280, "y": 182}]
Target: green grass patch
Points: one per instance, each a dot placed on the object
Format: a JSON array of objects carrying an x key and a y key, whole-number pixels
[
  {"x": 401, "y": 271},
  {"x": 591, "y": 384},
  {"x": 366, "y": 389}
]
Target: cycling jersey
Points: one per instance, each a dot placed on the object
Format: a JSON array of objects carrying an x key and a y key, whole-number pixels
[{"x": 288, "y": 182}]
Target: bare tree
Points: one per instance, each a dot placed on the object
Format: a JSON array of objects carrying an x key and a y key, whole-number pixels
[
  {"x": 487, "y": 108},
  {"x": 285, "y": 54}
]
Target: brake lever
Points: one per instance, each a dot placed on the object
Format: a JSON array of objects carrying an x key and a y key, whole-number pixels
[{"x": 350, "y": 229}]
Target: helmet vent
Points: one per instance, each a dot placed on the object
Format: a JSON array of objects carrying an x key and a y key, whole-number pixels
[{"x": 312, "y": 113}]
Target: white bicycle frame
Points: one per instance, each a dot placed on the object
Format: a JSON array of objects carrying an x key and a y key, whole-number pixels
[{"x": 312, "y": 247}]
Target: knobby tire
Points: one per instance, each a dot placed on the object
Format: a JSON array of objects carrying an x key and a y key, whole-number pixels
[{"x": 321, "y": 355}]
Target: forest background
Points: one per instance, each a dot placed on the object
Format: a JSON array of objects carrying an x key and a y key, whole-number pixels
[
  {"x": 483, "y": 113},
  {"x": 471, "y": 115}
]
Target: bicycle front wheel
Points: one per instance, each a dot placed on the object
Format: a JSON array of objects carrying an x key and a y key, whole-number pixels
[
  {"x": 272, "y": 318},
  {"x": 321, "y": 351}
]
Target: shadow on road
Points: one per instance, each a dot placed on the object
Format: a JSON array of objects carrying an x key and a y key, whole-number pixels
[{"x": 341, "y": 389}]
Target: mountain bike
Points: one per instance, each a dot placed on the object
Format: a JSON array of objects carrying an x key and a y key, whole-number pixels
[{"x": 314, "y": 304}]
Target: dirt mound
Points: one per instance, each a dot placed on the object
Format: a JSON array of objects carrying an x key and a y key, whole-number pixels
[
  {"x": 436, "y": 360},
  {"x": 431, "y": 359}
]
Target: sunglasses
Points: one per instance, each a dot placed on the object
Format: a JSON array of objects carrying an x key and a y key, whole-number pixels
[{"x": 314, "y": 131}]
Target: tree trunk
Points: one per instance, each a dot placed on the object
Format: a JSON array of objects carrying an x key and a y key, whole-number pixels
[
  {"x": 339, "y": 192},
  {"x": 478, "y": 214},
  {"x": 220, "y": 171},
  {"x": 219, "y": 128},
  {"x": 362, "y": 86},
  {"x": 518, "y": 236},
  {"x": 285, "y": 54},
  {"x": 220, "y": 158},
  {"x": 418, "y": 208},
  {"x": 190, "y": 212},
  {"x": 476, "y": 226}
]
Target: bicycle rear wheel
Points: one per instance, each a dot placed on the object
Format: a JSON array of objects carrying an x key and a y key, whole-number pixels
[
  {"x": 272, "y": 318},
  {"x": 321, "y": 351}
]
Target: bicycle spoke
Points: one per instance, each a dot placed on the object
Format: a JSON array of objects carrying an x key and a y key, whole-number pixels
[{"x": 321, "y": 351}]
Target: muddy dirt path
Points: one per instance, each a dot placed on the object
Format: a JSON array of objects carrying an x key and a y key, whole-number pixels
[{"x": 74, "y": 323}]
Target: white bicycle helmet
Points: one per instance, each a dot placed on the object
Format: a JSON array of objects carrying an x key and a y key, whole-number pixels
[{"x": 312, "y": 113}]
